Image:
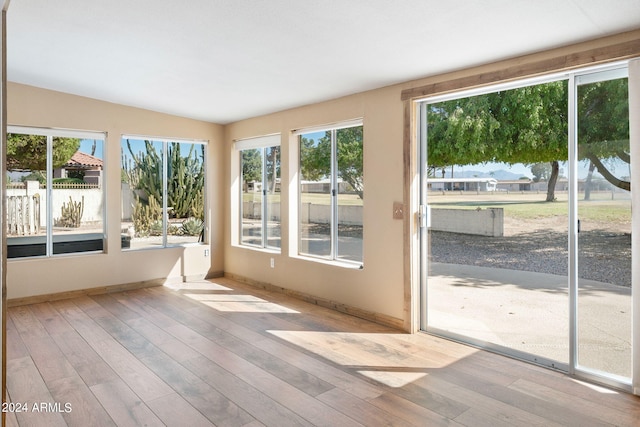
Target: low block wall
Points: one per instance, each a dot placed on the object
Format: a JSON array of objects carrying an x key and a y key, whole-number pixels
[
  {"x": 484, "y": 222},
  {"x": 309, "y": 213}
]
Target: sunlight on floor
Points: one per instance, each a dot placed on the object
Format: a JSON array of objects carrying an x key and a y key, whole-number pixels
[
  {"x": 197, "y": 285},
  {"x": 394, "y": 379},
  {"x": 594, "y": 387},
  {"x": 366, "y": 353},
  {"x": 229, "y": 302}
]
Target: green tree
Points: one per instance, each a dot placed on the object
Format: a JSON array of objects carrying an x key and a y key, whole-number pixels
[
  {"x": 603, "y": 127},
  {"x": 29, "y": 152},
  {"x": 529, "y": 125},
  {"x": 524, "y": 125},
  {"x": 272, "y": 155},
  {"x": 315, "y": 157},
  {"x": 251, "y": 165}
]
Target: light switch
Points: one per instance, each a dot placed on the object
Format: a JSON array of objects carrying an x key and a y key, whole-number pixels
[{"x": 398, "y": 210}]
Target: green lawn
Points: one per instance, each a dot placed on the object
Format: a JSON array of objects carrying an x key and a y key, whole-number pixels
[
  {"x": 313, "y": 198},
  {"x": 601, "y": 207}
]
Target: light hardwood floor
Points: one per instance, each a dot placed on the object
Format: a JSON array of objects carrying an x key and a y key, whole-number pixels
[{"x": 222, "y": 353}]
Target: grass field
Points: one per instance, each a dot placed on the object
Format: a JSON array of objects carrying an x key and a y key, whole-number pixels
[
  {"x": 606, "y": 209},
  {"x": 313, "y": 198},
  {"x": 602, "y": 208}
]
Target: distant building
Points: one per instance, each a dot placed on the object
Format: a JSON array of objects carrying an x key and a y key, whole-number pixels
[
  {"x": 515, "y": 185},
  {"x": 462, "y": 184},
  {"x": 82, "y": 162}
]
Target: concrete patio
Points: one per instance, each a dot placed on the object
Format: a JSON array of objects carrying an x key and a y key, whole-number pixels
[{"x": 529, "y": 312}]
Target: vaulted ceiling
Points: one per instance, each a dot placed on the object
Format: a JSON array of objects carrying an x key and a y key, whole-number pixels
[{"x": 226, "y": 60}]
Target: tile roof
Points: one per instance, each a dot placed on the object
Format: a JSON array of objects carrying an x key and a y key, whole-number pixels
[{"x": 83, "y": 160}]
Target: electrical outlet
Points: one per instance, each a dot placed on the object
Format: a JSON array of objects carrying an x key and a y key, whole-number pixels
[
  {"x": 206, "y": 252},
  {"x": 273, "y": 263},
  {"x": 398, "y": 210}
]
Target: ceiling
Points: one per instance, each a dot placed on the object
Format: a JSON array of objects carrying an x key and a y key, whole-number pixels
[{"x": 226, "y": 60}]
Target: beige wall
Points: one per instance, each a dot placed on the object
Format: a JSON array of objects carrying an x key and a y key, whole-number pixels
[
  {"x": 388, "y": 283},
  {"x": 378, "y": 287},
  {"x": 29, "y": 106}
]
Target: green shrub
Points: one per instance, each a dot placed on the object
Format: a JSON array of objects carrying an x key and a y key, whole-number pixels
[
  {"x": 68, "y": 181},
  {"x": 192, "y": 226}
]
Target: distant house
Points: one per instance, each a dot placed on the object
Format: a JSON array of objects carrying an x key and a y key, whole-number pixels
[
  {"x": 561, "y": 185},
  {"x": 462, "y": 184},
  {"x": 90, "y": 166},
  {"x": 515, "y": 185}
]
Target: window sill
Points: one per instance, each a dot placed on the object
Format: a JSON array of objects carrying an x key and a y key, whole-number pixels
[
  {"x": 274, "y": 251},
  {"x": 154, "y": 247},
  {"x": 352, "y": 265}
]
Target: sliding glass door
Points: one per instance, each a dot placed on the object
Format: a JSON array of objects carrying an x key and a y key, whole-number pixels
[{"x": 525, "y": 221}]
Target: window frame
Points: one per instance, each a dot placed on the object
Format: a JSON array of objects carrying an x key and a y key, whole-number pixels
[
  {"x": 49, "y": 134},
  {"x": 334, "y": 253},
  {"x": 261, "y": 143},
  {"x": 165, "y": 183}
]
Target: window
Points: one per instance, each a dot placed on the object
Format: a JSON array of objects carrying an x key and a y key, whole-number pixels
[
  {"x": 260, "y": 191},
  {"x": 331, "y": 192},
  {"x": 162, "y": 192},
  {"x": 55, "y": 198}
]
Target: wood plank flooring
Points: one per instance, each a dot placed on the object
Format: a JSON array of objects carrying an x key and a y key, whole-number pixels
[{"x": 222, "y": 353}]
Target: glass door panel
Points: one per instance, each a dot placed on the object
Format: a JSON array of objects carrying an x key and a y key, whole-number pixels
[
  {"x": 497, "y": 192},
  {"x": 604, "y": 237}
]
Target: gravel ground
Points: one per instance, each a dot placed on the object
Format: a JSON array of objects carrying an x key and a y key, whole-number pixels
[{"x": 605, "y": 256}]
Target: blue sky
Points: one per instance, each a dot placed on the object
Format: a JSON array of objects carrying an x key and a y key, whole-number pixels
[
  {"x": 619, "y": 168},
  {"x": 87, "y": 144}
]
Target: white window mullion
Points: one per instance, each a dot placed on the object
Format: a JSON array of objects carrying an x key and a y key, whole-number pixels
[
  {"x": 334, "y": 195},
  {"x": 165, "y": 211},
  {"x": 49, "y": 193},
  {"x": 263, "y": 199},
  {"x": 634, "y": 143},
  {"x": 573, "y": 226},
  {"x": 241, "y": 197}
]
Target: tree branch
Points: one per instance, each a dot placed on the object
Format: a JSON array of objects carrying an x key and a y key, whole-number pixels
[
  {"x": 625, "y": 185},
  {"x": 625, "y": 157}
]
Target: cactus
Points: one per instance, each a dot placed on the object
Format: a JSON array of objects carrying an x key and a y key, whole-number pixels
[
  {"x": 71, "y": 214},
  {"x": 185, "y": 178},
  {"x": 146, "y": 217},
  {"x": 185, "y": 186},
  {"x": 144, "y": 171}
]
